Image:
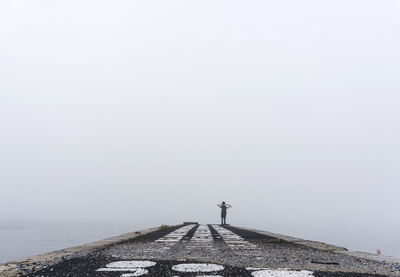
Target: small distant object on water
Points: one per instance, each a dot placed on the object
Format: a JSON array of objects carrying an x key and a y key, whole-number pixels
[{"x": 378, "y": 251}]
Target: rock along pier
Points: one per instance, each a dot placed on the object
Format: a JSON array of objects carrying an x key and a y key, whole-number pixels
[{"x": 193, "y": 249}]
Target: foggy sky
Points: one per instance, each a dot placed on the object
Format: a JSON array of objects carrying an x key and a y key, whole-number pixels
[{"x": 156, "y": 111}]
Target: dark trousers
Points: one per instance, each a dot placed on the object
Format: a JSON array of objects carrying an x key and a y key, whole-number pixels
[{"x": 223, "y": 219}]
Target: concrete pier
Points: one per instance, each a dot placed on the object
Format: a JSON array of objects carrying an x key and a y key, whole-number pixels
[{"x": 192, "y": 249}]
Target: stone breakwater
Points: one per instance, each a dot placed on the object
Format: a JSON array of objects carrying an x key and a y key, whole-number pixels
[{"x": 203, "y": 250}]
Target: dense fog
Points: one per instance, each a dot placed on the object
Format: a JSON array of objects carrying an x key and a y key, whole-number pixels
[{"x": 153, "y": 112}]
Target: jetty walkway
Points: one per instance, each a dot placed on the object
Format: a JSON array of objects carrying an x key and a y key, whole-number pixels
[{"x": 193, "y": 249}]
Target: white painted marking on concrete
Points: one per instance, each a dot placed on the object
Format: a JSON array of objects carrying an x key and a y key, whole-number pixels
[
  {"x": 282, "y": 273},
  {"x": 235, "y": 242},
  {"x": 117, "y": 269},
  {"x": 139, "y": 272},
  {"x": 135, "y": 267},
  {"x": 164, "y": 244},
  {"x": 175, "y": 236},
  {"x": 201, "y": 241},
  {"x": 197, "y": 267},
  {"x": 202, "y": 234},
  {"x": 130, "y": 264}
]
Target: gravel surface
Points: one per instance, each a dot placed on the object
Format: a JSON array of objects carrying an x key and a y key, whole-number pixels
[{"x": 213, "y": 250}]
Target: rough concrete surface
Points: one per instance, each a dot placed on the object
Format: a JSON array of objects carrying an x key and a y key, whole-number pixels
[{"x": 203, "y": 250}]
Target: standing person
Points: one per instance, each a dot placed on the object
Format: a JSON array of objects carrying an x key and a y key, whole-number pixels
[{"x": 223, "y": 207}]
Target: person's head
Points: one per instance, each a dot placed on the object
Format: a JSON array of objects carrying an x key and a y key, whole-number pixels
[{"x": 223, "y": 202}]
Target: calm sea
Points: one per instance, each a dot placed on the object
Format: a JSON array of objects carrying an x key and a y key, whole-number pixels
[{"x": 19, "y": 240}]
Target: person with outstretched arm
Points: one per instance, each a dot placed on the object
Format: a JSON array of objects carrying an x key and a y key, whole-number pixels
[{"x": 223, "y": 207}]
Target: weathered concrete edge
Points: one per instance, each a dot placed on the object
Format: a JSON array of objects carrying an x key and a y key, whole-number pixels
[
  {"x": 12, "y": 268},
  {"x": 329, "y": 247}
]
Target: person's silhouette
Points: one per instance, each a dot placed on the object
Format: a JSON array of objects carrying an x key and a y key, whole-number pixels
[{"x": 223, "y": 207}]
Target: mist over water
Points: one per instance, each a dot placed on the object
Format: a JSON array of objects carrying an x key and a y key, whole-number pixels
[
  {"x": 152, "y": 112},
  {"x": 23, "y": 239},
  {"x": 20, "y": 239}
]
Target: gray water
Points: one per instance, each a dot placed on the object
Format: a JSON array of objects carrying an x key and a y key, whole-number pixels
[
  {"x": 19, "y": 240},
  {"x": 359, "y": 240}
]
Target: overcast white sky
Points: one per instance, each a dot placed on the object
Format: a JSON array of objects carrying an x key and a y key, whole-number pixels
[{"x": 156, "y": 111}]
